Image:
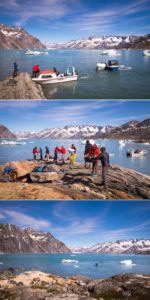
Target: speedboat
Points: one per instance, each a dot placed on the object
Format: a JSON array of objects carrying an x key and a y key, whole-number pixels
[
  {"x": 146, "y": 52},
  {"x": 30, "y": 52},
  {"x": 101, "y": 66},
  {"x": 53, "y": 76},
  {"x": 137, "y": 152},
  {"x": 113, "y": 65}
]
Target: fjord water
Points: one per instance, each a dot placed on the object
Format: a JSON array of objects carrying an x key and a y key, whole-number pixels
[
  {"x": 130, "y": 83},
  {"x": 117, "y": 152},
  {"x": 108, "y": 264}
]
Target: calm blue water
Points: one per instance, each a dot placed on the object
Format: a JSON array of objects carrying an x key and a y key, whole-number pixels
[
  {"x": 108, "y": 264},
  {"x": 117, "y": 153},
  {"x": 125, "y": 84}
]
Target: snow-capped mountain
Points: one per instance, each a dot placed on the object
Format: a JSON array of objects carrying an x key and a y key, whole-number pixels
[
  {"x": 15, "y": 239},
  {"x": 133, "y": 246},
  {"x": 18, "y": 38},
  {"x": 6, "y": 133},
  {"x": 106, "y": 42},
  {"x": 130, "y": 130}
]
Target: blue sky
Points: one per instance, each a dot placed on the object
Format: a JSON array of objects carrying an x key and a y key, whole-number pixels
[
  {"x": 81, "y": 223},
  {"x": 63, "y": 20},
  {"x": 39, "y": 115}
]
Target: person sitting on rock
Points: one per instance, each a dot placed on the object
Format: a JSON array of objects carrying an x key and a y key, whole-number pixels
[
  {"x": 10, "y": 173},
  {"x": 35, "y": 71},
  {"x": 104, "y": 157},
  {"x": 88, "y": 147},
  {"x": 73, "y": 155},
  {"x": 63, "y": 152},
  {"x": 35, "y": 153}
]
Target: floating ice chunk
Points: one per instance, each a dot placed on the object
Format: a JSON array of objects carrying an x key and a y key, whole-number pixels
[
  {"x": 127, "y": 262},
  {"x": 69, "y": 261}
]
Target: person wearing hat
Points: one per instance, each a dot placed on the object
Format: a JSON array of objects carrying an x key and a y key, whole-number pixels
[{"x": 104, "y": 158}]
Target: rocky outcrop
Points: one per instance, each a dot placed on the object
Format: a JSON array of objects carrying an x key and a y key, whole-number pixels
[
  {"x": 76, "y": 183},
  {"x": 17, "y": 240},
  {"x": 18, "y": 38},
  {"x": 6, "y": 133},
  {"x": 36, "y": 285},
  {"x": 20, "y": 87}
]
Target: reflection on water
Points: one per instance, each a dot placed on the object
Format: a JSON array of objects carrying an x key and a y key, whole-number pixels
[
  {"x": 131, "y": 82},
  {"x": 117, "y": 154}
]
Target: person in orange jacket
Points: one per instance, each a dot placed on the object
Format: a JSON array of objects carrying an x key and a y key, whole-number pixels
[
  {"x": 63, "y": 152},
  {"x": 94, "y": 154}
]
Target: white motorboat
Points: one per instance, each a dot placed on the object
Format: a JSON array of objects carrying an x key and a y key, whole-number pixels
[
  {"x": 101, "y": 66},
  {"x": 30, "y": 52},
  {"x": 137, "y": 153},
  {"x": 113, "y": 65},
  {"x": 146, "y": 52},
  {"x": 53, "y": 76},
  {"x": 110, "y": 52}
]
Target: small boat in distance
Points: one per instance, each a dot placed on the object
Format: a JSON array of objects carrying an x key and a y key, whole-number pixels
[
  {"x": 111, "y": 65},
  {"x": 137, "y": 152},
  {"x": 146, "y": 52},
  {"x": 31, "y": 52},
  {"x": 53, "y": 76},
  {"x": 121, "y": 143}
]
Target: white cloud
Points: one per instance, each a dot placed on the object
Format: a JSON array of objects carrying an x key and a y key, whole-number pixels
[{"x": 22, "y": 219}]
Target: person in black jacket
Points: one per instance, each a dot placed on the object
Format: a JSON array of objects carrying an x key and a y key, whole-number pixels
[
  {"x": 88, "y": 147},
  {"x": 104, "y": 157}
]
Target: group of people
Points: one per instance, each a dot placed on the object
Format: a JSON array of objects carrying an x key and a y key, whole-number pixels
[
  {"x": 93, "y": 154},
  {"x": 57, "y": 150}
]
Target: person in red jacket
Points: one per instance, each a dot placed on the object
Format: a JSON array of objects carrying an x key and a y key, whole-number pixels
[
  {"x": 35, "y": 71},
  {"x": 94, "y": 154},
  {"x": 56, "y": 151},
  {"x": 63, "y": 152},
  {"x": 35, "y": 152}
]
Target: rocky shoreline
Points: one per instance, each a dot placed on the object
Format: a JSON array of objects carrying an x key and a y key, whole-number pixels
[
  {"x": 36, "y": 285},
  {"x": 65, "y": 183},
  {"x": 21, "y": 87}
]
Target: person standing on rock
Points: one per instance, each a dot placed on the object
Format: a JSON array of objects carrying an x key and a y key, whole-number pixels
[
  {"x": 73, "y": 155},
  {"x": 41, "y": 153},
  {"x": 56, "y": 151},
  {"x": 95, "y": 152},
  {"x": 35, "y": 153},
  {"x": 63, "y": 152},
  {"x": 104, "y": 157},
  {"x": 15, "y": 72},
  {"x": 47, "y": 153},
  {"x": 35, "y": 71},
  {"x": 88, "y": 147}
]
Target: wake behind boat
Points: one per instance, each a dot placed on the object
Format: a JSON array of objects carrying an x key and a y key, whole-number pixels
[{"x": 53, "y": 76}]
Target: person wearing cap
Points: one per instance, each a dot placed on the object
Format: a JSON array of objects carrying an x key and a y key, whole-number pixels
[
  {"x": 88, "y": 147},
  {"x": 104, "y": 158}
]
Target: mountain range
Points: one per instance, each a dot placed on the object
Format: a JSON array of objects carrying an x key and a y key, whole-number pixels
[
  {"x": 18, "y": 240},
  {"x": 133, "y": 246},
  {"x": 106, "y": 42},
  {"x": 18, "y": 38},
  {"x": 12, "y": 37},
  {"x": 6, "y": 133},
  {"x": 130, "y": 130},
  {"x": 14, "y": 239}
]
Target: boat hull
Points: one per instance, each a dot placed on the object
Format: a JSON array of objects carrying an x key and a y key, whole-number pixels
[{"x": 55, "y": 80}]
